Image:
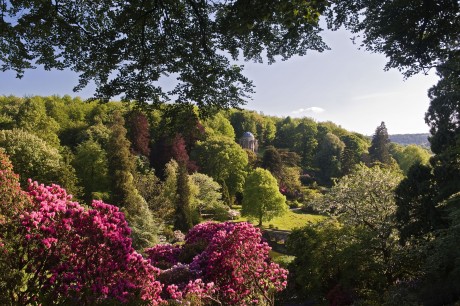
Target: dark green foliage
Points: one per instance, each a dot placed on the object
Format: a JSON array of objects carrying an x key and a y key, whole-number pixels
[
  {"x": 442, "y": 268},
  {"x": 306, "y": 142},
  {"x": 329, "y": 255},
  {"x": 353, "y": 152},
  {"x": 379, "y": 149},
  {"x": 125, "y": 48},
  {"x": 121, "y": 163},
  {"x": 328, "y": 157},
  {"x": 414, "y": 36},
  {"x": 183, "y": 219},
  {"x": 417, "y": 213},
  {"x": 271, "y": 161}
]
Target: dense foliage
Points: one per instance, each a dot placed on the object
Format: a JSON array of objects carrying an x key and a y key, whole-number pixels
[{"x": 56, "y": 251}]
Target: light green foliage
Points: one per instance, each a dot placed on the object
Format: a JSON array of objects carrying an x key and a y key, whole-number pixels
[
  {"x": 219, "y": 125},
  {"x": 225, "y": 161},
  {"x": 262, "y": 127},
  {"x": 91, "y": 165},
  {"x": 34, "y": 158},
  {"x": 291, "y": 178},
  {"x": 32, "y": 117},
  {"x": 411, "y": 155},
  {"x": 366, "y": 198},
  {"x": 207, "y": 195},
  {"x": 360, "y": 252},
  {"x": 261, "y": 197}
]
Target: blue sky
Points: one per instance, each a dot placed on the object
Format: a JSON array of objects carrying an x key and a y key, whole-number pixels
[{"x": 343, "y": 85}]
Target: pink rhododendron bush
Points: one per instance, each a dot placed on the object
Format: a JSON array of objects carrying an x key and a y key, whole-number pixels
[
  {"x": 55, "y": 251},
  {"x": 228, "y": 260}
]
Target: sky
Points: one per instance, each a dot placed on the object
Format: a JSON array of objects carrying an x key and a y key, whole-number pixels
[{"x": 344, "y": 85}]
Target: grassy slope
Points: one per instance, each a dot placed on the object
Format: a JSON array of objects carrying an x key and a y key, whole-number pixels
[{"x": 289, "y": 221}]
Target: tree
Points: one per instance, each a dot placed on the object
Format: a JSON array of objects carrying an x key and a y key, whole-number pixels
[
  {"x": 306, "y": 142},
  {"x": 123, "y": 191},
  {"x": 139, "y": 133},
  {"x": 411, "y": 155},
  {"x": 355, "y": 148},
  {"x": 219, "y": 125},
  {"x": 363, "y": 203},
  {"x": 261, "y": 197},
  {"x": 417, "y": 213},
  {"x": 208, "y": 197},
  {"x": 331, "y": 256},
  {"x": 328, "y": 157},
  {"x": 90, "y": 163},
  {"x": 379, "y": 149},
  {"x": 134, "y": 50},
  {"x": 32, "y": 117},
  {"x": 413, "y": 36},
  {"x": 34, "y": 158},
  {"x": 271, "y": 161},
  {"x": 225, "y": 161}
]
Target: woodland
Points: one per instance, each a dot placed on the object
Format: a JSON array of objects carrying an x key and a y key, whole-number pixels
[{"x": 152, "y": 201}]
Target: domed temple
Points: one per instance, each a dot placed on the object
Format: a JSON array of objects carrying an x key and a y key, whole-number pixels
[{"x": 248, "y": 141}]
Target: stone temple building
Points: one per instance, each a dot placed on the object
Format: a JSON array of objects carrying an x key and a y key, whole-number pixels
[{"x": 248, "y": 141}]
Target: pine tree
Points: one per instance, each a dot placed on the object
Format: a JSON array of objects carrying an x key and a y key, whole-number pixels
[{"x": 380, "y": 147}]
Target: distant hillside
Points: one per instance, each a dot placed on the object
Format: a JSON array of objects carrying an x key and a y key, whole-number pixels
[{"x": 406, "y": 139}]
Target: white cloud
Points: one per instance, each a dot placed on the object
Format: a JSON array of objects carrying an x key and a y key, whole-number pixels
[{"x": 313, "y": 109}]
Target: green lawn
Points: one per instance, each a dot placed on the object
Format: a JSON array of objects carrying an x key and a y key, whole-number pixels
[{"x": 289, "y": 221}]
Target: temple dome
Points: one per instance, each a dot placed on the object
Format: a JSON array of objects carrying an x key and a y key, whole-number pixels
[{"x": 248, "y": 135}]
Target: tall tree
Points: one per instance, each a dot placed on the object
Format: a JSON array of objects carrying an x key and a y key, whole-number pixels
[
  {"x": 225, "y": 161},
  {"x": 271, "y": 161},
  {"x": 124, "y": 193},
  {"x": 355, "y": 147},
  {"x": 417, "y": 213},
  {"x": 183, "y": 209},
  {"x": 139, "y": 133},
  {"x": 328, "y": 157},
  {"x": 379, "y": 150},
  {"x": 306, "y": 142},
  {"x": 261, "y": 197}
]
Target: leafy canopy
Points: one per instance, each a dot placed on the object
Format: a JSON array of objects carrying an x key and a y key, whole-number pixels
[{"x": 127, "y": 47}]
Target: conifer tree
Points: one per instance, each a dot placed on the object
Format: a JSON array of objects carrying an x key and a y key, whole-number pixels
[
  {"x": 183, "y": 212},
  {"x": 124, "y": 192},
  {"x": 380, "y": 147}
]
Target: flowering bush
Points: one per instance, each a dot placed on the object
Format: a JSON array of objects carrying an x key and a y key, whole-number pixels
[
  {"x": 83, "y": 254},
  {"x": 56, "y": 251},
  {"x": 230, "y": 258}
]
